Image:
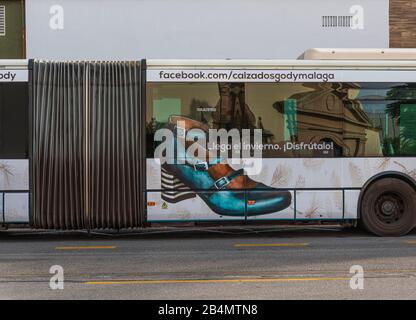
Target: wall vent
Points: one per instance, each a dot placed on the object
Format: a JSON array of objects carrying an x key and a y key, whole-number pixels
[
  {"x": 336, "y": 21},
  {"x": 2, "y": 21}
]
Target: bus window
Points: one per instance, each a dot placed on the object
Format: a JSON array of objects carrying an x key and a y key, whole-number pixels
[
  {"x": 391, "y": 114},
  {"x": 407, "y": 123},
  {"x": 13, "y": 120},
  {"x": 216, "y": 105},
  {"x": 198, "y": 101},
  {"x": 298, "y": 119}
]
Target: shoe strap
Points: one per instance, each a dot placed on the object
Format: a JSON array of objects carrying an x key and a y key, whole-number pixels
[
  {"x": 199, "y": 165},
  {"x": 221, "y": 183}
]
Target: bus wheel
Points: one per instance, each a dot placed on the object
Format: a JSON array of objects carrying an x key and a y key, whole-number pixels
[{"x": 388, "y": 207}]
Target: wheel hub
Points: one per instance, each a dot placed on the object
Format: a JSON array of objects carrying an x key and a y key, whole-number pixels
[{"x": 389, "y": 208}]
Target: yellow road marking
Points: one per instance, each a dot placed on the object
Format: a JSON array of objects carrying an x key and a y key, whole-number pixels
[
  {"x": 241, "y": 273},
  {"x": 85, "y": 247},
  {"x": 212, "y": 280},
  {"x": 411, "y": 241},
  {"x": 289, "y": 244}
]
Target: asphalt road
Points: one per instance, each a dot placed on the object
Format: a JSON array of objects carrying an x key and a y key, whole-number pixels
[{"x": 265, "y": 263}]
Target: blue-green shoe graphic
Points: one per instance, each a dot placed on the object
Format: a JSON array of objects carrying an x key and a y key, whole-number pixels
[{"x": 226, "y": 191}]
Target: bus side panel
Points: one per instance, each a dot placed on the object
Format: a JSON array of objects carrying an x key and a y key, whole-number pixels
[
  {"x": 321, "y": 204},
  {"x": 14, "y": 197},
  {"x": 321, "y": 189},
  {"x": 351, "y": 204},
  {"x": 191, "y": 209},
  {"x": 14, "y": 162},
  {"x": 16, "y": 207}
]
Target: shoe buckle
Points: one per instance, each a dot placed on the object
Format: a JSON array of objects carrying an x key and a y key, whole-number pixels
[
  {"x": 201, "y": 166},
  {"x": 222, "y": 182}
]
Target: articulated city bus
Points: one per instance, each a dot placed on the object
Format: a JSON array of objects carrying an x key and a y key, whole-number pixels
[{"x": 327, "y": 137}]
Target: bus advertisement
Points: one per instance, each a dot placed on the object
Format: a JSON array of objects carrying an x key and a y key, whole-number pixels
[
  {"x": 129, "y": 144},
  {"x": 320, "y": 136}
]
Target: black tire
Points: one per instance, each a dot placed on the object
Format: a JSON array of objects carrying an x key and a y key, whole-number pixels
[{"x": 388, "y": 208}]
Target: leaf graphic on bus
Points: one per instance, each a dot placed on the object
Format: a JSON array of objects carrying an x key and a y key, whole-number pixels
[
  {"x": 312, "y": 163},
  {"x": 336, "y": 181},
  {"x": 411, "y": 173},
  {"x": 356, "y": 173},
  {"x": 311, "y": 211},
  {"x": 300, "y": 182},
  {"x": 338, "y": 201},
  {"x": 281, "y": 175},
  {"x": 384, "y": 163},
  {"x": 6, "y": 171}
]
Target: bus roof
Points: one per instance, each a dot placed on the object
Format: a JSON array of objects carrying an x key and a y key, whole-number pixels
[
  {"x": 280, "y": 64},
  {"x": 315, "y": 58},
  {"x": 359, "y": 54},
  {"x": 13, "y": 64}
]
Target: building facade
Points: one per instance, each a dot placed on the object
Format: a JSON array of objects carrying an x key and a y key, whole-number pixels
[{"x": 125, "y": 29}]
